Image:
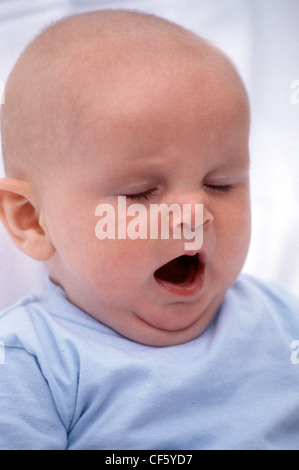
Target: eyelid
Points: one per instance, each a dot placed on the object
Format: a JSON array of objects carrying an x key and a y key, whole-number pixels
[
  {"x": 224, "y": 180},
  {"x": 142, "y": 195},
  {"x": 224, "y": 188}
]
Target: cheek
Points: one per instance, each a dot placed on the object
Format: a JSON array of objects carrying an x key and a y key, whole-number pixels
[
  {"x": 72, "y": 230},
  {"x": 107, "y": 263},
  {"x": 233, "y": 231}
]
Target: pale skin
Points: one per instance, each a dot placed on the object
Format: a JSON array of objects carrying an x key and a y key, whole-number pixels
[{"x": 172, "y": 128}]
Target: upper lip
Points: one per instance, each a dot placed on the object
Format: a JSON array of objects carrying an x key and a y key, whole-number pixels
[{"x": 201, "y": 256}]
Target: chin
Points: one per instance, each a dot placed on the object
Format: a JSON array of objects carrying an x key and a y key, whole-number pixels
[{"x": 177, "y": 327}]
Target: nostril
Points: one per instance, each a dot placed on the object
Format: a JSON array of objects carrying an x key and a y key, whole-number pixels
[
  {"x": 192, "y": 216},
  {"x": 207, "y": 218}
]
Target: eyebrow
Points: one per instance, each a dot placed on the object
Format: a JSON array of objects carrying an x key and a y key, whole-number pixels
[
  {"x": 235, "y": 163},
  {"x": 145, "y": 172}
]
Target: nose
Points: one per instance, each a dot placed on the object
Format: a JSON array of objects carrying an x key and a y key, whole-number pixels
[
  {"x": 193, "y": 214},
  {"x": 190, "y": 224}
]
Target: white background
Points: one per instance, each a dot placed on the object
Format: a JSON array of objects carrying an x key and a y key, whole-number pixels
[{"x": 262, "y": 38}]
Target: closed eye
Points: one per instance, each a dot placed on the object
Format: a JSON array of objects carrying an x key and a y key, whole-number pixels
[
  {"x": 145, "y": 195},
  {"x": 223, "y": 188}
]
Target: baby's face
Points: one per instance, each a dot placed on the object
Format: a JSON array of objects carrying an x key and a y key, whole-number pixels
[{"x": 156, "y": 136}]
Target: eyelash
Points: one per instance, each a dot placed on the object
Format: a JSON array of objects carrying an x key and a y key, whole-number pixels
[
  {"x": 226, "y": 188},
  {"x": 141, "y": 196},
  {"x": 150, "y": 192}
]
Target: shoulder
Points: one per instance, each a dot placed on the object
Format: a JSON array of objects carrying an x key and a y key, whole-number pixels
[
  {"x": 46, "y": 327},
  {"x": 270, "y": 293},
  {"x": 49, "y": 315},
  {"x": 40, "y": 337},
  {"x": 264, "y": 301},
  {"x": 55, "y": 332}
]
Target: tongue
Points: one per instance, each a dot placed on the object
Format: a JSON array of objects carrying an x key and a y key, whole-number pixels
[{"x": 176, "y": 271}]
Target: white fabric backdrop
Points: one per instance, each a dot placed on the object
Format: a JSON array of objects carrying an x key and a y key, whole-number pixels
[{"x": 262, "y": 38}]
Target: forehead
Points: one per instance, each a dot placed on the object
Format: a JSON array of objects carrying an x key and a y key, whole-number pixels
[
  {"x": 141, "y": 61},
  {"x": 151, "y": 120},
  {"x": 80, "y": 87},
  {"x": 116, "y": 105},
  {"x": 165, "y": 96}
]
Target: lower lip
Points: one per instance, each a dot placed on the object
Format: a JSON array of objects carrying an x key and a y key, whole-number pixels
[{"x": 186, "y": 289}]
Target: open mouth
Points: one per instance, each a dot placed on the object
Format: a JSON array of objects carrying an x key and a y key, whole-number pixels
[{"x": 182, "y": 275}]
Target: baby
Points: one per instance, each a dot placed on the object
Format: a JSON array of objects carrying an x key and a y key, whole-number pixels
[{"x": 137, "y": 343}]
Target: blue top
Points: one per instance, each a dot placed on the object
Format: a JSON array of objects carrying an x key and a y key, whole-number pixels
[{"x": 69, "y": 382}]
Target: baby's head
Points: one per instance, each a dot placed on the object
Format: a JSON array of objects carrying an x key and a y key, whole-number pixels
[{"x": 115, "y": 103}]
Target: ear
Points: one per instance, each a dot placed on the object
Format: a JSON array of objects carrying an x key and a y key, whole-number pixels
[{"x": 20, "y": 214}]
